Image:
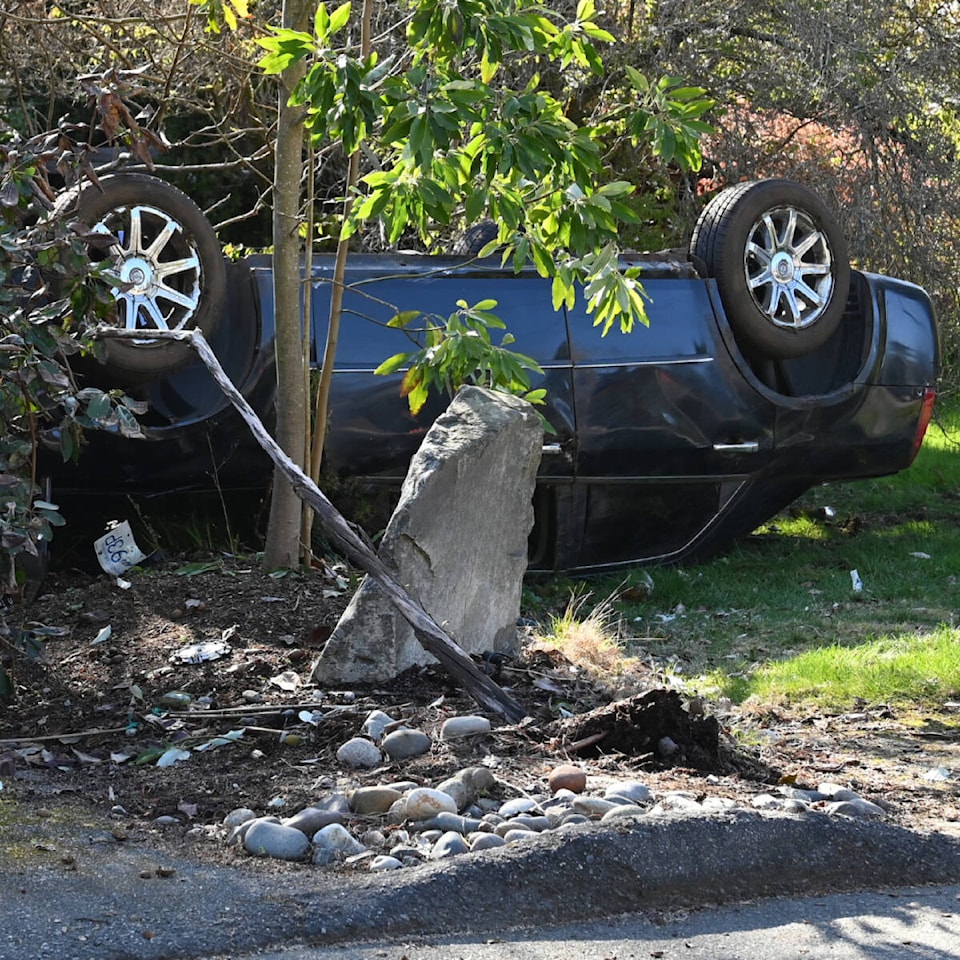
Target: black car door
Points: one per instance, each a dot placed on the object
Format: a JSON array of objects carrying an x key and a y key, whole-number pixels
[{"x": 668, "y": 427}]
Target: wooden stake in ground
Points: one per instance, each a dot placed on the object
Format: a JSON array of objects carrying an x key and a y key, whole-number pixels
[{"x": 433, "y": 638}]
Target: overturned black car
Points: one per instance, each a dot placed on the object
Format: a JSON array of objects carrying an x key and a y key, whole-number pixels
[{"x": 768, "y": 366}]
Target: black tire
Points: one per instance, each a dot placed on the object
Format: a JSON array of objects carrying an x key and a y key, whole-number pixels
[
  {"x": 781, "y": 265},
  {"x": 170, "y": 261},
  {"x": 475, "y": 238}
]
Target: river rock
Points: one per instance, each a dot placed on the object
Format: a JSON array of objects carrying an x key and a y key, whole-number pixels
[
  {"x": 457, "y": 727},
  {"x": 359, "y": 753},
  {"x": 334, "y": 842},
  {"x": 405, "y": 743},
  {"x": 425, "y": 803},
  {"x": 311, "y": 819},
  {"x": 519, "y": 805},
  {"x": 241, "y": 815},
  {"x": 369, "y": 800},
  {"x": 593, "y": 806},
  {"x": 834, "y": 791},
  {"x": 517, "y": 834},
  {"x": 375, "y": 724},
  {"x": 623, "y": 810},
  {"x": 857, "y": 807},
  {"x": 265, "y": 838},
  {"x": 454, "y": 822},
  {"x": 567, "y": 777},
  {"x": 486, "y": 841},
  {"x": 631, "y": 790},
  {"x": 467, "y": 785},
  {"x": 448, "y": 845},
  {"x": 796, "y": 793}
]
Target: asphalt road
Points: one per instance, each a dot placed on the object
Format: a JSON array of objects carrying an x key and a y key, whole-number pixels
[
  {"x": 77, "y": 894},
  {"x": 918, "y": 923}
]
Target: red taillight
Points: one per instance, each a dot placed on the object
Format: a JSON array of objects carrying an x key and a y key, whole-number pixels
[{"x": 926, "y": 412}]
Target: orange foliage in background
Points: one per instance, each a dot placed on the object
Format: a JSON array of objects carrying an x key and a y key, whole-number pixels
[{"x": 781, "y": 144}]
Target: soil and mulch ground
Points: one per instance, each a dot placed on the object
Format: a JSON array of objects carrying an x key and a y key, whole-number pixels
[{"x": 88, "y": 723}]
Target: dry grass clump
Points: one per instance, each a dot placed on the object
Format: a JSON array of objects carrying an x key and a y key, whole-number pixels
[{"x": 593, "y": 642}]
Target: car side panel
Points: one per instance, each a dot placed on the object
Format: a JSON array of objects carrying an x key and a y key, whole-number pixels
[
  {"x": 372, "y": 432},
  {"x": 665, "y": 401}
]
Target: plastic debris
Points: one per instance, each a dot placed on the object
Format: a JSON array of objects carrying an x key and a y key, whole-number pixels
[
  {"x": 920, "y": 555},
  {"x": 172, "y": 756},
  {"x": 855, "y": 582},
  {"x": 288, "y": 680},
  {"x": 202, "y": 651},
  {"x": 117, "y": 551},
  {"x": 221, "y": 741},
  {"x": 937, "y": 773},
  {"x": 104, "y": 634}
]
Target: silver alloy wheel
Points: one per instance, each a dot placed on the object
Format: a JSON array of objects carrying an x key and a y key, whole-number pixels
[
  {"x": 155, "y": 269},
  {"x": 789, "y": 268}
]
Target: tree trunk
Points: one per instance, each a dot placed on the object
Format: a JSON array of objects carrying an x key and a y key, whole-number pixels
[
  {"x": 336, "y": 301},
  {"x": 282, "y": 548}
]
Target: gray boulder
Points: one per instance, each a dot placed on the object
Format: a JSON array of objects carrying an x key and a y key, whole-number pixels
[{"x": 457, "y": 541}]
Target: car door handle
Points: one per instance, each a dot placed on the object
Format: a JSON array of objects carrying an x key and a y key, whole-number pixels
[
  {"x": 551, "y": 449},
  {"x": 749, "y": 446}
]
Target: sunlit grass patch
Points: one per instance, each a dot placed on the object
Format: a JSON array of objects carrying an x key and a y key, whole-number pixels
[
  {"x": 799, "y": 525},
  {"x": 920, "y": 669},
  {"x": 909, "y": 528}
]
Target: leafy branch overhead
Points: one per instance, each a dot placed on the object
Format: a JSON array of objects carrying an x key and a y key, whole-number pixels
[
  {"x": 460, "y": 350},
  {"x": 472, "y": 122}
]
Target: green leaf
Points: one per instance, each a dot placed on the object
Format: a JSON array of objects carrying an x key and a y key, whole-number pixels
[
  {"x": 339, "y": 18},
  {"x": 392, "y": 364},
  {"x": 617, "y": 188},
  {"x": 99, "y": 408},
  {"x": 68, "y": 445},
  {"x": 596, "y": 33},
  {"x": 542, "y": 259},
  {"x": 475, "y": 204},
  {"x": 403, "y": 319},
  {"x": 586, "y": 9},
  {"x": 636, "y": 78},
  {"x": 128, "y": 423},
  {"x": 321, "y": 22},
  {"x": 194, "y": 569}
]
